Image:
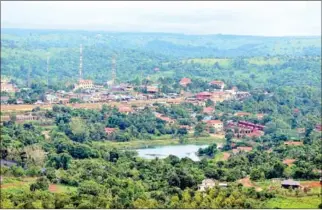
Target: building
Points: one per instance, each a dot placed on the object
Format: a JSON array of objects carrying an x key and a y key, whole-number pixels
[
  {"x": 49, "y": 98},
  {"x": 4, "y": 99},
  {"x": 293, "y": 143},
  {"x": 185, "y": 81},
  {"x": 242, "y": 114},
  {"x": 242, "y": 149},
  {"x": 289, "y": 162},
  {"x": 125, "y": 109},
  {"x": 109, "y": 131},
  {"x": 208, "y": 110},
  {"x": 217, "y": 124},
  {"x": 203, "y": 96},
  {"x": 6, "y": 86},
  {"x": 84, "y": 84},
  {"x": 151, "y": 89},
  {"x": 206, "y": 184},
  {"x": 251, "y": 125},
  {"x": 218, "y": 83},
  {"x": 290, "y": 184},
  {"x": 318, "y": 127}
]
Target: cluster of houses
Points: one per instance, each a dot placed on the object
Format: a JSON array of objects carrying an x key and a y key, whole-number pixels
[
  {"x": 7, "y": 86},
  {"x": 244, "y": 128}
]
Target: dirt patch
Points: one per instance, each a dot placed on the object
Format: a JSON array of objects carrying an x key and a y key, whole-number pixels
[
  {"x": 226, "y": 156},
  {"x": 246, "y": 182},
  {"x": 10, "y": 185},
  {"x": 313, "y": 184},
  {"x": 52, "y": 188}
]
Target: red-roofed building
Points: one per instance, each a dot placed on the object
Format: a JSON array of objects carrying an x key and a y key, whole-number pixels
[
  {"x": 185, "y": 81},
  {"x": 125, "y": 109},
  {"x": 218, "y": 83},
  {"x": 293, "y": 143},
  {"x": 289, "y": 162},
  {"x": 151, "y": 89},
  {"x": 318, "y": 127},
  {"x": 242, "y": 114},
  {"x": 203, "y": 96},
  {"x": 166, "y": 119},
  {"x": 244, "y": 149},
  {"x": 208, "y": 110},
  {"x": 255, "y": 133},
  {"x": 109, "y": 131},
  {"x": 217, "y": 124}
]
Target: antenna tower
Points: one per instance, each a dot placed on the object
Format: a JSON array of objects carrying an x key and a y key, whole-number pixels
[
  {"x": 80, "y": 62},
  {"x": 28, "y": 76},
  {"x": 48, "y": 69},
  {"x": 113, "y": 69}
]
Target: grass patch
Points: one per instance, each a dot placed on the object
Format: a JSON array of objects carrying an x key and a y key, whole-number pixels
[
  {"x": 137, "y": 144},
  {"x": 294, "y": 202}
]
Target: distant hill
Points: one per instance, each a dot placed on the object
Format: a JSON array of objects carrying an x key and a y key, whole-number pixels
[{"x": 137, "y": 53}]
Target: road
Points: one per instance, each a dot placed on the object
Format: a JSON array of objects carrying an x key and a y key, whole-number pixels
[{"x": 29, "y": 107}]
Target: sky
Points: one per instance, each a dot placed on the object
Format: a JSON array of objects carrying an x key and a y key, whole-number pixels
[{"x": 265, "y": 18}]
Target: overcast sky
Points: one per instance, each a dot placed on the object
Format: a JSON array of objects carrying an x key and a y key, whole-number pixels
[{"x": 245, "y": 18}]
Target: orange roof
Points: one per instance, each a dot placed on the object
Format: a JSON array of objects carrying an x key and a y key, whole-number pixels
[
  {"x": 293, "y": 143},
  {"x": 216, "y": 82},
  {"x": 208, "y": 110},
  {"x": 109, "y": 130},
  {"x": 289, "y": 161},
  {"x": 213, "y": 121},
  {"x": 246, "y": 149},
  {"x": 185, "y": 81},
  {"x": 152, "y": 89},
  {"x": 167, "y": 119},
  {"x": 125, "y": 109},
  {"x": 241, "y": 114}
]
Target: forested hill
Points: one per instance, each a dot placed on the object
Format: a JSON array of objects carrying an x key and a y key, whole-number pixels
[{"x": 137, "y": 53}]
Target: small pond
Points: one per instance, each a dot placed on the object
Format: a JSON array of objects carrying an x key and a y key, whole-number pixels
[{"x": 180, "y": 151}]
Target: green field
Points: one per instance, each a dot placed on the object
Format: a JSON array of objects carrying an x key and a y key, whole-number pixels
[
  {"x": 294, "y": 202},
  {"x": 159, "y": 141}
]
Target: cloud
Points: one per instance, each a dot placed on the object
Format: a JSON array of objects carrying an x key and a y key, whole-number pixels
[{"x": 202, "y": 17}]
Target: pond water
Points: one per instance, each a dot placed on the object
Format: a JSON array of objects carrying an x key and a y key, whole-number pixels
[{"x": 180, "y": 151}]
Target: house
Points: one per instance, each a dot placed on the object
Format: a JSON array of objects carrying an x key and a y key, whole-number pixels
[
  {"x": 221, "y": 96},
  {"x": 251, "y": 125},
  {"x": 125, "y": 109},
  {"x": 217, "y": 124},
  {"x": 49, "y": 98},
  {"x": 255, "y": 133},
  {"x": 208, "y": 110},
  {"x": 244, "y": 149},
  {"x": 4, "y": 99},
  {"x": 203, "y": 96},
  {"x": 84, "y": 84},
  {"x": 293, "y": 143},
  {"x": 290, "y": 184},
  {"x": 206, "y": 184},
  {"x": 223, "y": 185},
  {"x": 156, "y": 69},
  {"x": 300, "y": 130},
  {"x": 289, "y": 162},
  {"x": 151, "y": 89},
  {"x": 185, "y": 81},
  {"x": 218, "y": 83},
  {"x": 109, "y": 131},
  {"x": 318, "y": 127},
  {"x": 8, "y": 163},
  {"x": 7, "y": 87},
  {"x": 260, "y": 116},
  {"x": 242, "y": 114}
]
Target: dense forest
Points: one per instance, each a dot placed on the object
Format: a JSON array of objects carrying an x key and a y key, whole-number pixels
[{"x": 138, "y": 54}]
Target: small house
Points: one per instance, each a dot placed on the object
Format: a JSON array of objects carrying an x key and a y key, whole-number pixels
[
  {"x": 206, "y": 184},
  {"x": 290, "y": 184}
]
